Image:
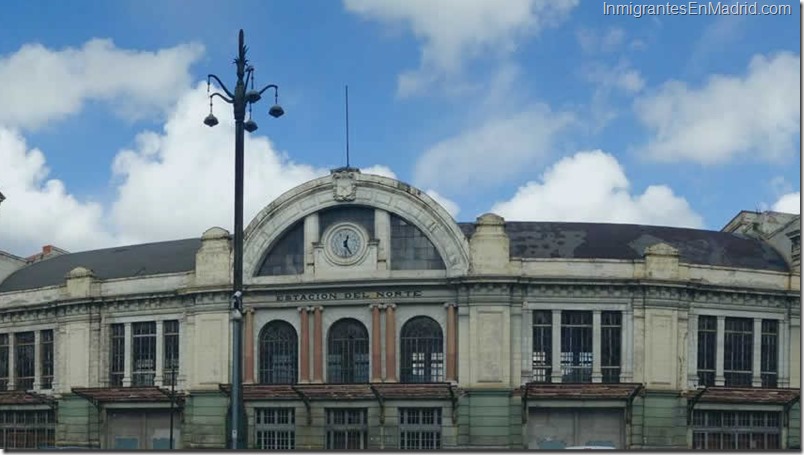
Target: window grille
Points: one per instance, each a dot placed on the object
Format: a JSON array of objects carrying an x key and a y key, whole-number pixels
[
  {"x": 143, "y": 346},
  {"x": 422, "y": 346},
  {"x": 4, "y": 361},
  {"x": 770, "y": 340},
  {"x": 278, "y": 353},
  {"x": 24, "y": 360},
  {"x": 576, "y": 346},
  {"x": 28, "y": 429},
  {"x": 286, "y": 255},
  {"x": 542, "y": 345},
  {"x": 347, "y": 429},
  {"x": 360, "y": 215},
  {"x": 610, "y": 345},
  {"x": 275, "y": 428},
  {"x": 707, "y": 342},
  {"x": 738, "y": 352},
  {"x": 419, "y": 428},
  {"x": 170, "y": 365},
  {"x": 411, "y": 249},
  {"x": 46, "y": 358},
  {"x": 117, "y": 350},
  {"x": 348, "y": 353},
  {"x": 740, "y": 430}
]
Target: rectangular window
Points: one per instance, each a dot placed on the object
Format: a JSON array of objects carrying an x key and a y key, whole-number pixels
[
  {"x": 170, "y": 368},
  {"x": 770, "y": 346},
  {"x": 419, "y": 428},
  {"x": 46, "y": 358},
  {"x": 29, "y": 429},
  {"x": 143, "y": 350},
  {"x": 576, "y": 346},
  {"x": 740, "y": 430},
  {"x": 707, "y": 342},
  {"x": 347, "y": 429},
  {"x": 24, "y": 360},
  {"x": 738, "y": 352},
  {"x": 4, "y": 361},
  {"x": 275, "y": 428},
  {"x": 117, "y": 349},
  {"x": 542, "y": 345},
  {"x": 610, "y": 345}
]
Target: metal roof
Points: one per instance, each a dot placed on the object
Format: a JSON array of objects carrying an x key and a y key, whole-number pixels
[
  {"x": 527, "y": 240},
  {"x": 537, "y": 239},
  {"x": 119, "y": 262}
]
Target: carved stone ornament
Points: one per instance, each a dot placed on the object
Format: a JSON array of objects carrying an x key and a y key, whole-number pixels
[{"x": 343, "y": 184}]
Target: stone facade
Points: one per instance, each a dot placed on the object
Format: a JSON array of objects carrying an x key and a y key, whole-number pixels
[{"x": 518, "y": 347}]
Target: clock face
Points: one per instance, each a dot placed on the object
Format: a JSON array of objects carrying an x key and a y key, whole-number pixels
[{"x": 346, "y": 242}]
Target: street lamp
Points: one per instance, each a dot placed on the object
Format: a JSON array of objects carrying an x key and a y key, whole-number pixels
[{"x": 239, "y": 100}]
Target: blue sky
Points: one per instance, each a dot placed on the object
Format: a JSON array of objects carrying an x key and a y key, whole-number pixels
[{"x": 534, "y": 110}]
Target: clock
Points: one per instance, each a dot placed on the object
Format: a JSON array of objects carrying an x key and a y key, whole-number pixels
[{"x": 345, "y": 243}]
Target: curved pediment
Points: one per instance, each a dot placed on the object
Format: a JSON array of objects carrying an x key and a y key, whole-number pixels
[{"x": 349, "y": 187}]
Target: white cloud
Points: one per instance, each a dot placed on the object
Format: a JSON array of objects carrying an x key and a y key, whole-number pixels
[
  {"x": 449, "y": 205},
  {"x": 37, "y": 210},
  {"x": 379, "y": 169},
  {"x": 595, "y": 41},
  {"x": 756, "y": 114},
  {"x": 788, "y": 203},
  {"x": 490, "y": 152},
  {"x": 41, "y": 85},
  {"x": 179, "y": 182},
  {"x": 592, "y": 186},
  {"x": 455, "y": 31}
]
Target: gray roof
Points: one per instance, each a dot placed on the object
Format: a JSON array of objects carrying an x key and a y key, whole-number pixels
[
  {"x": 120, "y": 262},
  {"x": 539, "y": 239},
  {"x": 528, "y": 240}
]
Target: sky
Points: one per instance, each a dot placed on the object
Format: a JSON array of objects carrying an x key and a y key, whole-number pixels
[{"x": 534, "y": 110}]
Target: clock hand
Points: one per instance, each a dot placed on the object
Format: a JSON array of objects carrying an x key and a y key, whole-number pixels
[{"x": 346, "y": 245}]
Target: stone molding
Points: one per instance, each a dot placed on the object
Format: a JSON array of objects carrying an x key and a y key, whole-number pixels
[{"x": 369, "y": 190}]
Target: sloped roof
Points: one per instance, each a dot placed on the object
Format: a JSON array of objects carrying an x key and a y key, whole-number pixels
[
  {"x": 537, "y": 239},
  {"x": 528, "y": 240},
  {"x": 119, "y": 262}
]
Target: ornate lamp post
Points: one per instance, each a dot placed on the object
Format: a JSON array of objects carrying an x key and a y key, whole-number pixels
[{"x": 239, "y": 100}]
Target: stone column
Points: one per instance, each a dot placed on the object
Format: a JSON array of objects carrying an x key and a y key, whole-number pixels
[
  {"x": 719, "y": 353},
  {"x": 783, "y": 362},
  {"x": 160, "y": 351},
  {"x": 376, "y": 348},
  {"x": 304, "y": 355},
  {"x": 318, "y": 347},
  {"x": 37, "y": 359},
  {"x": 692, "y": 351},
  {"x": 625, "y": 345},
  {"x": 555, "y": 377},
  {"x": 390, "y": 343},
  {"x": 756, "y": 361},
  {"x": 248, "y": 347},
  {"x": 128, "y": 358},
  {"x": 452, "y": 342},
  {"x": 597, "y": 374}
]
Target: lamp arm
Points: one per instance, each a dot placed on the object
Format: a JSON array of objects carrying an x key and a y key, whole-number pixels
[
  {"x": 223, "y": 86},
  {"x": 221, "y": 97},
  {"x": 273, "y": 86}
]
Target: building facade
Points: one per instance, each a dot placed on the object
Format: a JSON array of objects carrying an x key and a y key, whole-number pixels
[{"x": 373, "y": 320}]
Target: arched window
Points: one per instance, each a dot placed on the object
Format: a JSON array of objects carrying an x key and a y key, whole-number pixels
[
  {"x": 422, "y": 346},
  {"x": 278, "y": 353},
  {"x": 347, "y": 352}
]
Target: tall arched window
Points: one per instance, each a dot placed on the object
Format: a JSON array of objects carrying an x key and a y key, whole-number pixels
[
  {"x": 348, "y": 352},
  {"x": 422, "y": 346},
  {"x": 278, "y": 353}
]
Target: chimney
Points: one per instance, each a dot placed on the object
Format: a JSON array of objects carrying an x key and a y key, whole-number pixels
[{"x": 47, "y": 250}]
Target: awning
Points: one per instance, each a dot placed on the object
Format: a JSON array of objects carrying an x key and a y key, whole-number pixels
[
  {"x": 320, "y": 392},
  {"x": 18, "y": 397},
  {"x": 125, "y": 394},
  {"x": 585, "y": 391},
  {"x": 743, "y": 395}
]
